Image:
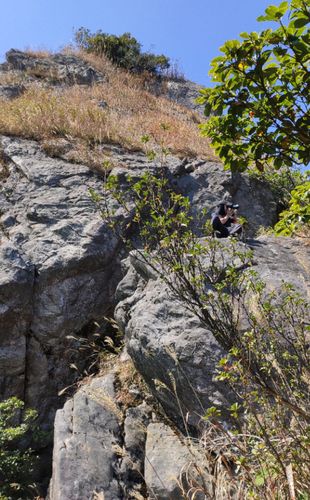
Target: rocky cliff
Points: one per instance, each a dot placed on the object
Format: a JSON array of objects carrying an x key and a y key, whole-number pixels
[{"x": 62, "y": 270}]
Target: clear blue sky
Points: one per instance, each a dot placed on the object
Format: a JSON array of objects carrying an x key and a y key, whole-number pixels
[{"x": 187, "y": 31}]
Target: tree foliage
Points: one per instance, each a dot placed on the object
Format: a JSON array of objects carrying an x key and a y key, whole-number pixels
[
  {"x": 124, "y": 51},
  {"x": 259, "y": 107}
]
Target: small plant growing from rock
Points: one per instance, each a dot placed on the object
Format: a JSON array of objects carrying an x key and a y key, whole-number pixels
[{"x": 17, "y": 462}]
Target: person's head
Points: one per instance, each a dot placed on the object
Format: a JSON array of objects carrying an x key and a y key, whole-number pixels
[
  {"x": 222, "y": 208},
  {"x": 225, "y": 205}
]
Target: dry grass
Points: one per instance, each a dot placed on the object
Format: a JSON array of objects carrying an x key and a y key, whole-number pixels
[
  {"x": 12, "y": 78},
  {"x": 73, "y": 112},
  {"x": 38, "y": 53}
]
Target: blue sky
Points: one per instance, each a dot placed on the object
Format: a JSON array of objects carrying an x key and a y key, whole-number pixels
[{"x": 188, "y": 31}]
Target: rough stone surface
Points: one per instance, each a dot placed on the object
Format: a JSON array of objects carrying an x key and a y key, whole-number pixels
[
  {"x": 166, "y": 457},
  {"x": 131, "y": 472},
  {"x": 282, "y": 259},
  {"x": 56, "y": 273},
  {"x": 16, "y": 289},
  {"x": 176, "y": 355},
  {"x": 11, "y": 91},
  {"x": 174, "y": 352},
  {"x": 206, "y": 183},
  {"x": 86, "y": 430},
  {"x": 68, "y": 69},
  {"x": 184, "y": 93},
  {"x": 47, "y": 217}
]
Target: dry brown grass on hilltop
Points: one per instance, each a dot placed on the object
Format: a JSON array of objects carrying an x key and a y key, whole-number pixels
[{"x": 44, "y": 113}]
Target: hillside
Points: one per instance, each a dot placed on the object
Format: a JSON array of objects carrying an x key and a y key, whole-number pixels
[
  {"x": 118, "y": 342},
  {"x": 89, "y": 102}
]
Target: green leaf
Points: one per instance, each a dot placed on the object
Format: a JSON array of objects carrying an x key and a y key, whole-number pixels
[{"x": 298, "y": 23}]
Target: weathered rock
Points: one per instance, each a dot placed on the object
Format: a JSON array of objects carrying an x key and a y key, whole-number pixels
[
  {"x": 282, "y": 259},
  {"x": 56, "y": 270},
  {"x": 184, "y": 92},
  {"x": 132, "y": 466},
  {"x": 49, "y": 218},
  {"x": 206, "y": 183},
  {"x": 16, "y": 290},
  {"x": 86, "y": 431},
  {"x": 175, "y": 353},
  {"x": 11, "y": 91},
  {"x": 166, "y": 458},
  {"x": 62, "y": 68}
]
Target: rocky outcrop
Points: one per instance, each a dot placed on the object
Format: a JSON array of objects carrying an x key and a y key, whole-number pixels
[
  {"x": 11, "y": 91},
  {"x": 175, "y": 353},
  {"x": 68, "y": 256},
  {"x": 184, "y": 93},
  {"x": 170, "y": 347},
  {"x": 56, "y": 68},
  {"x": 102, "y": 450},
  {"x": 56, "y": 272}
]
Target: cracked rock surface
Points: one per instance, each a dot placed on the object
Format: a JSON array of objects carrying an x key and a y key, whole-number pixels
[
  {"x": 86, "y": 430},
  {"x": 60, "y": 263},
  {"x": 177, "y": 354}
]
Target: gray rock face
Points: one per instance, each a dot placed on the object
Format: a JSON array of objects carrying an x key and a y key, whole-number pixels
[
  {"x": 56, "y": 272},
  {"x": 63, "y": 68},
  {"x": 16, "y": 289},
  {"x": 166, "y": 458},
  {"x": 70, "y": 256},
  {"x": 176, "y": 355},
  {"x": 174, "y": 352},
  {"x": 206, "y": 183},
  {"x": 131, "y": 471},
  {"x": 184, "y": 93},
  {"x": 11, "y": 91},
  {"x": 86, "y": 430},
  {"x": 282, "y": 259}
]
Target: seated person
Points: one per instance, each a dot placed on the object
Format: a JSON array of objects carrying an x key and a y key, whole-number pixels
[{"x": 224, "y": 220}]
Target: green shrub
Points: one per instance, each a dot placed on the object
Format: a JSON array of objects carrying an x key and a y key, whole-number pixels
[
  {"x": 297, "y": 217},
  {"x": 123, "y": 50},
  {"x": 16, "y": 460}
]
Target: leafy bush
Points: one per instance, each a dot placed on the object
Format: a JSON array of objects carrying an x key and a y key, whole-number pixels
[
  {"x": 259, "y": 107},
  {"x": 16, "y": 461},
  {"x": 297, "y": 217},
  {"x": 123, "y": 50}
]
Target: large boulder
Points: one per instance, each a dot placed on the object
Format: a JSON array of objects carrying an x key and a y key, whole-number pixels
[
  {"x": 177, "y": 354},
  {"x": 174, "y": 352}
]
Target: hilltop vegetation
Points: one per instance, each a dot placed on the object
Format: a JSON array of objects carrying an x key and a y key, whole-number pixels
[
  {"x": 123, "y": 51},
  {"x": 119, "y": 109}
]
